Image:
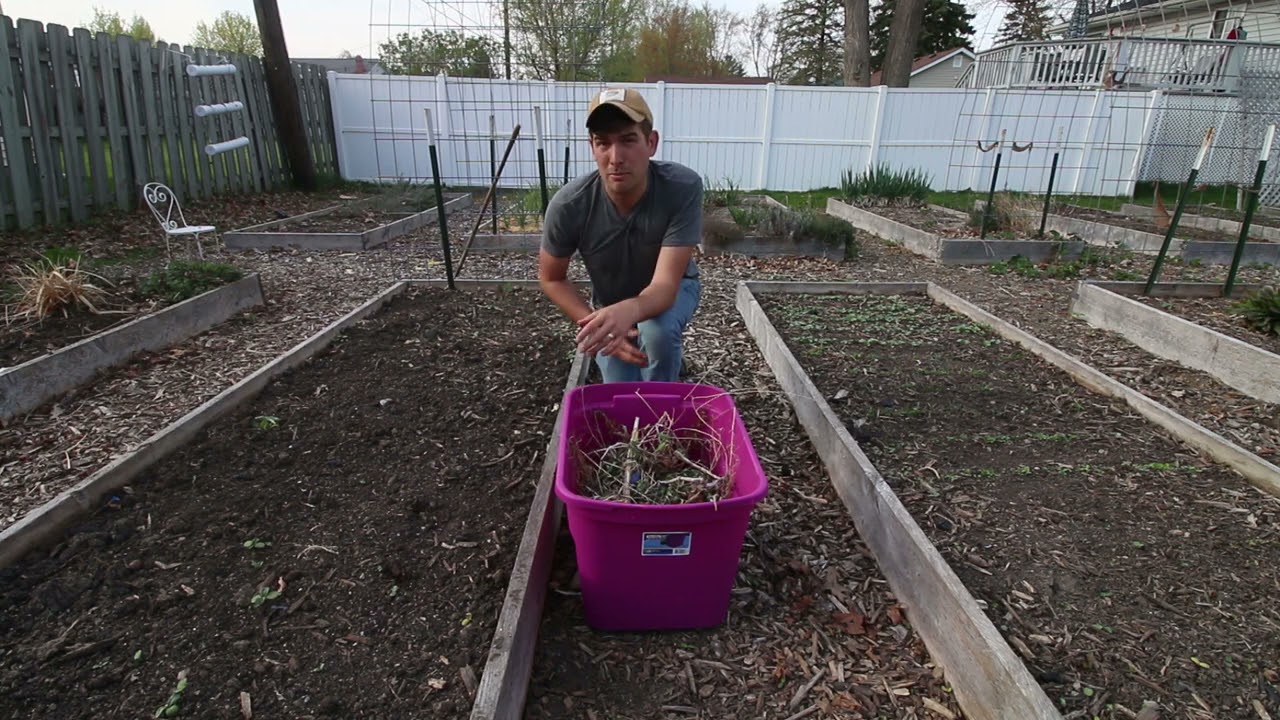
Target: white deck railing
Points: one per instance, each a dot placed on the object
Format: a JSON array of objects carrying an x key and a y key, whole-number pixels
[{"x": 1202, "y": 66}]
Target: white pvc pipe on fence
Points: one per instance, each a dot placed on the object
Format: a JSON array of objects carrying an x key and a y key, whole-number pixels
[
  {"x": 214, "y": 148},
  {"x": 219, "y": 108}
]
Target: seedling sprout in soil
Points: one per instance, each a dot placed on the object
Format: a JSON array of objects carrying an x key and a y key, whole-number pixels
[{"x": 654, "y": 464}]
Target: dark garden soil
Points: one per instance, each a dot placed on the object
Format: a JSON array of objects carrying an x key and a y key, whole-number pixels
[
  {"x": 380, "y": 490},
  {"x": 1215, "y": 314},
  {"x": 1119, "y": 565},
  {"x": 1184, "y": 232},
  {"x": 813, "y": 629}
]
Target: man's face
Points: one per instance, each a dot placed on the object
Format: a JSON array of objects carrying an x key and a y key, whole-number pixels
[{"x": 622, "y": 156}]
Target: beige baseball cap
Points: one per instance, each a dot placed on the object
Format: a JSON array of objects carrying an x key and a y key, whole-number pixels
[{"x": 627, "y": 100}]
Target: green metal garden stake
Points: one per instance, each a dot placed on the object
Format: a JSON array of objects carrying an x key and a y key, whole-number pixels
[
  {"x": 1177, "y": 212},
  {"x": 1251, "y": 204},
  {"x": 493, "y": 166},
  {"x": 568, "y": 133},
  {"x": 995, "y": 173},
  {"x": 444, "y": 224},
  {"x": 1048, "y": 194},
  {"x": 542, "y": 156}
]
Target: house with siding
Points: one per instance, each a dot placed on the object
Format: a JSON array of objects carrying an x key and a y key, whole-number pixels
[
  {"x": 1195, "y": 20},
  {"x": 937, "y": 70},
  {"x": 1182, "y": 46}
]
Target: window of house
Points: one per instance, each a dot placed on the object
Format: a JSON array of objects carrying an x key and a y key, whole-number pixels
[
  {"x": 957, "y": 61},
  {"x": 1218, "y": 28}
]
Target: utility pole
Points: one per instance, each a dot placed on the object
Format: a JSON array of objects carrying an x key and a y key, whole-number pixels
[{"x": 284, "y": 95}]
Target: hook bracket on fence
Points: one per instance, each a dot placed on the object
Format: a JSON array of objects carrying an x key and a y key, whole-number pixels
[
  {"x": 1023, "y": 148},
  {"x": 993, "y": 145}
]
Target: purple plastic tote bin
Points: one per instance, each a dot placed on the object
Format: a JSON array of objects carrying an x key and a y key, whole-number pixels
[{"x": 658, "y": 567}]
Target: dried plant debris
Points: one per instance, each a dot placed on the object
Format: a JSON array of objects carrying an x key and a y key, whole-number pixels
[{"x": 659, "y": 463}]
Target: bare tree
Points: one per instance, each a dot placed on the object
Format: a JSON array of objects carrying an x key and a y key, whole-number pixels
[
  {"x": 762, "y": 43},
  {"x": 857, "y": 43},
  {"x": 904, "y": 31}
]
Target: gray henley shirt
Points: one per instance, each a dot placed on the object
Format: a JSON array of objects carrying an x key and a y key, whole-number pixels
[{"x": 621, "y": 252}]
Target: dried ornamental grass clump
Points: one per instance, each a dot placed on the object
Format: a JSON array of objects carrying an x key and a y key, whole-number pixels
[
  {"x": 52, "y": 285},
  {"x": 654, "y": 464}
]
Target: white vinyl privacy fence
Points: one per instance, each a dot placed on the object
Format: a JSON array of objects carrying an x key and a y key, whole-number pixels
[{"x": 758, "y": 136}]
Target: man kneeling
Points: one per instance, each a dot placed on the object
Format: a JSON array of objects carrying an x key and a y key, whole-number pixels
[{"x": 636, "y": 223}]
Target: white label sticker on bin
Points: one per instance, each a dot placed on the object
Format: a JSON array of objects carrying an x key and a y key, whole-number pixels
[{"x": 666, "y": 543}]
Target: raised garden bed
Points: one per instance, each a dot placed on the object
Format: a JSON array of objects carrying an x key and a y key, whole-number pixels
[
  {"x": 1227, "y": 224},
  {"x": 814, "y": 630},
  {"x": 355, "y": 226},
  {"x": 760, "y": 226},
  {"x": 39, "y": 378},
  {"x": 1112, "y": 229},
  {"x": 1119, "y": 567},
  {"x": 948, "y": 236},
  {"x": 1189, "y": 324},
  {"x": 381, "y": 489},
  {"x": 722, "y": 235}
]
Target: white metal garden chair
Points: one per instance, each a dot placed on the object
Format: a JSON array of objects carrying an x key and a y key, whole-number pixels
[{"x": 164, "y": 205}]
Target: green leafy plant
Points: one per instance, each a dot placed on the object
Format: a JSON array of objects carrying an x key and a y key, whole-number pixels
[
  {"x": 256, "y": 544},
  {"x": 184, "y": 279},
  {"x": 171, "y": 706},
  {"x": 727, "y": 194},
  {"x": 749, "y": 216},
  {"x": 531, "y": 198},
  {"x": 1260, "y": 311},
  {"x": 797, "y": 225},
  {"x": 263, "y": 595},
  {"x": 830, "y": 230},
  {"x": 883, "y": 185},
  {"x": 266, "y": 422},
  {"x": 58, "y": 255}
]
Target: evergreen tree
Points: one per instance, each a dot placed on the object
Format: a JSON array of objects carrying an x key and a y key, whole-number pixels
[
  {"x": 947, "y": 24},
  {"x": 1025, "y": 20},
  {"x": 810, "y": 35}
]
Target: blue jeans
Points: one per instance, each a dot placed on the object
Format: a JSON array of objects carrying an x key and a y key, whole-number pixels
[{"x": 661, "y": 340}]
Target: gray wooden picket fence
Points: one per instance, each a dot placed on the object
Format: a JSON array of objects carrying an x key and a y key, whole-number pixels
[{"x": 87, "y": 120}]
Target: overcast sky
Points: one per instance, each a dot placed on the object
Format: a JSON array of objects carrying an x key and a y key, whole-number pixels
[{"x": 323, "y": 28}]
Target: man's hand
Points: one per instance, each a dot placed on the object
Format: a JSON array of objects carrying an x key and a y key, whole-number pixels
[
  {"x": 624, "y": 349},
  {"x": 606, "y": 326}
]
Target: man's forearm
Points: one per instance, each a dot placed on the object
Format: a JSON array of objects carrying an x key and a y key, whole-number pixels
[
  {"x": 653, "y": 301},
  {"x": 566, "y": 297}
]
